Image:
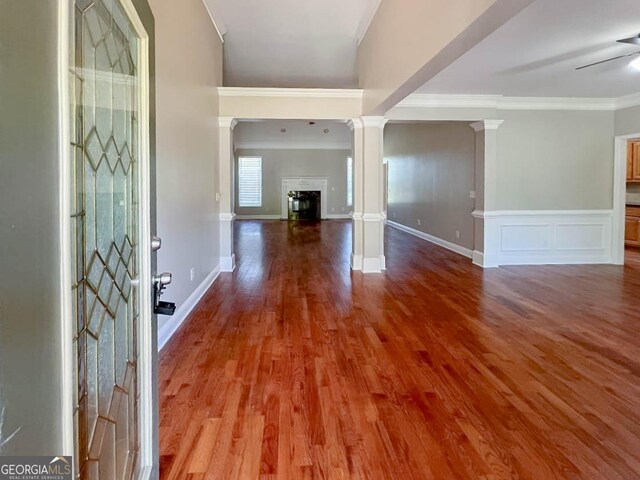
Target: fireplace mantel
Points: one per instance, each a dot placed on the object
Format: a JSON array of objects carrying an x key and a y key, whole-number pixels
[{"x": 304, "y": 184}]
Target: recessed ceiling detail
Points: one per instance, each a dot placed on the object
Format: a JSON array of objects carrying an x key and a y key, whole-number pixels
[{"x": 289, "y": 43}]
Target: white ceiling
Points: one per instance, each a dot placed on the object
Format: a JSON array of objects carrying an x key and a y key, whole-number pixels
[
  {"x": 292, "y": 43},
  {"x": 535, "y": 54},
  {"x": 298, "y": 134}
]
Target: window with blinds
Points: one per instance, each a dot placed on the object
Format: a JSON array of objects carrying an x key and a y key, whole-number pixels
[
  {"x": 350, "y": 181},
  {"x": 250, "y": 181}
]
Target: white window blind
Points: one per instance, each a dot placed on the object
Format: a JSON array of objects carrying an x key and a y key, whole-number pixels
[
  {"x": 350, "y": 181},
  {"x": 250, "y": 181}
]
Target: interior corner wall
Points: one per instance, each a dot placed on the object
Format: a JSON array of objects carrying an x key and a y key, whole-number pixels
[
  {"x": 431, "y": 173},
  {"x": 188, "y": 72},
  {"x": 555, "y": 160},
  {"x": 278, "y": 163},
  {"x": 627, "y": 121}
]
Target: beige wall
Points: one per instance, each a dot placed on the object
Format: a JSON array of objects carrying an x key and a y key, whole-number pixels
[
  {"x": 291, "y": 163},
  {"x": 555, "y": 160},
  {"x": 431, "y": 171},
  {"x": 189, "y": 70},
  {"x": 628, "y": 121}
]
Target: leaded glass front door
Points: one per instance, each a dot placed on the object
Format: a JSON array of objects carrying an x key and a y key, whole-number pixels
[{"x": 105, "y": 135}]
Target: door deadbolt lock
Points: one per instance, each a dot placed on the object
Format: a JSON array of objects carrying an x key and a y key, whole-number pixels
[{"x": 159, "y": 284}]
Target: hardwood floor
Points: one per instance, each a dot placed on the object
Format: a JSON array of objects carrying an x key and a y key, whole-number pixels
[{"x": 293, "y": 367}]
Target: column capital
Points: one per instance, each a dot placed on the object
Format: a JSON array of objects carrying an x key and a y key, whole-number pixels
[
  {"x": 371, "y": 121},
  {"x": 227, "y": 122},
  {"x": 486, "y": 125},
  {"x": 353, "y": 123}
]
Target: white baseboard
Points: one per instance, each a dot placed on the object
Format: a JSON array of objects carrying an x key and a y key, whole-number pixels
[
  {"x": 547, "y": 237},
  {"x": 430, "y": 238},
  {"x": 228, "y": 264},
  {"x": 182, "y": 312},
  {"x": 257, "y": 217},
  {"x": 339, "y": 216}
]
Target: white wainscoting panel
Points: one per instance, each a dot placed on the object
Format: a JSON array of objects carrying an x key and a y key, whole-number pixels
[{"x": 538, "y": 237}]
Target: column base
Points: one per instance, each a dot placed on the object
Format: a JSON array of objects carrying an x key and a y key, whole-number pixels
[
  {"x": 356, "y": 262},
  {"x": 482, "y": 260},
  {"x": 228, "y": 264},
  {"x": 374, "y": 264}
]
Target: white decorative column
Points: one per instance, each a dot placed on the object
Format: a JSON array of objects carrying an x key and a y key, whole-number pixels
[
  {"x": 373, "y": 217},
  {"x": 226, "y": 190},
  {"x": 355, "y": 124},
  {"x": 487, "y": 241}
]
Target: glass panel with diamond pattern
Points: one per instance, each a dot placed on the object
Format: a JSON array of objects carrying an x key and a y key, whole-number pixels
[{"x": 104, "y": 237}]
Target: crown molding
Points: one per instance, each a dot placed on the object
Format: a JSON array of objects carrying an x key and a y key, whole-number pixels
[
  {"x": 367, "y": 18},
  {"x": 292, "y": 146},
  {"x": 422, "y": 100},
  {"x": 498, "y": 102},
  {"x": 556, "y": 103},
  {"x": 628, "y": 101},
  {"x": 216, "y": 20},
  {"x": 290, "y": 92}
]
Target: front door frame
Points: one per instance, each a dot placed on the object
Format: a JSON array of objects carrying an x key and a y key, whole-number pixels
[
  {"x": 619, "y": 196},
  {"x": 146, "y": 357}
]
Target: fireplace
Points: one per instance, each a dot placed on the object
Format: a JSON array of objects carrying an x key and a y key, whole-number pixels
[{"x": 305, "y": 205}]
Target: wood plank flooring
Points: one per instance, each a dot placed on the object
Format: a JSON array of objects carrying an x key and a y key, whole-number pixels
[{"x": 293, "y": 367}]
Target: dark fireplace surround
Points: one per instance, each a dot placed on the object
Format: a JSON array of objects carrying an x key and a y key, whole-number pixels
[{"x": 305, "y": 205}]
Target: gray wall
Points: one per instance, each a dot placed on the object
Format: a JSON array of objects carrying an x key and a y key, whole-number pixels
[
  {"x": 291, "y": 163},
  {"x": 189, "y": 68},
  {"x": 431, "y": 171},
  {"x": 30, "y": 340},
  {"x": 628, "y": 121},
  {"x": 555, "y": 160}
]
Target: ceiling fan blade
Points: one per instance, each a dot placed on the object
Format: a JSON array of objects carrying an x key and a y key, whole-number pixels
[
  {"x": 608, "y": 60},
  {"x": 633, "y": 40}
]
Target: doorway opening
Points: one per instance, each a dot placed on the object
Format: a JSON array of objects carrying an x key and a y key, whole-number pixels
[{"x": 627, "y": 201}]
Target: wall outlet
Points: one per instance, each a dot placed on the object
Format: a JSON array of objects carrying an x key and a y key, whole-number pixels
[
  {"x": 472, "y": 194},
  {"x": 419, "y": 222},
  {"x": 193, "y": 273},
  {"x": 457, "y": 233},
  {"x": 333, "y": 209},
  {"x": 218, "y": 196}
]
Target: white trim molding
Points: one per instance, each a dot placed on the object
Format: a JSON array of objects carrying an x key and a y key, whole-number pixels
[
  {"x": 499, "y": 102},
  {"x": 430, "y": 238},
  {"x": 218, "y": 24},
  {"x": 169, "y": 328},
  {"x": 227, "y": 122},
  {"x": 290, "y": 92},
  {"x": 339, "y": 216},
  {"x": 539, "y": 237},
  {"x": 292, "y": 146},
  {"x": 486, "y": 125}
]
